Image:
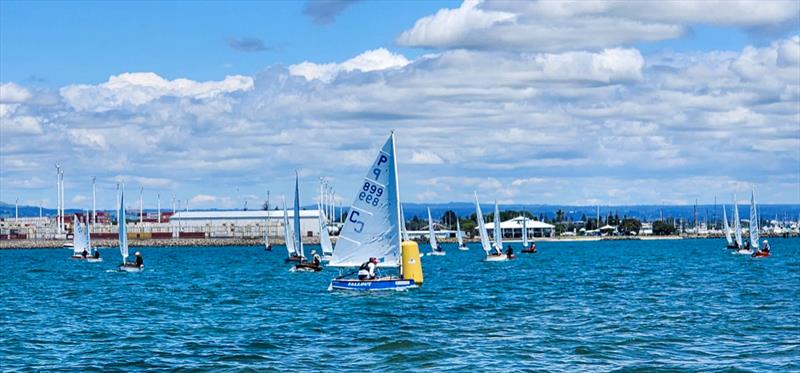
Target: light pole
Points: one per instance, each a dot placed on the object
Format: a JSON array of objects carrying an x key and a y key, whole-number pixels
[{"x": 94, "y": 197}]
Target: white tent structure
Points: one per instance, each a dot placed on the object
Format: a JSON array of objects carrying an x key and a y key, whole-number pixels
[{"x": 513, "y": 228}]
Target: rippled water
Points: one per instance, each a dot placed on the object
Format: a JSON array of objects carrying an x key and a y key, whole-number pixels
[{"x": 633, "y": 305}]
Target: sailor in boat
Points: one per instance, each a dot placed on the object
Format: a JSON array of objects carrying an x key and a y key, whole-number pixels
[
  {"x": 96, "y": 254},
  {"x": 510, "y": 252},
  {"x": 84, "y": 253},
  {"x": 764, "y": 250},
  {"x": 139, "y": 261},
  {"x": 315, "y": 258},
  {"x": 367, "y": 270}
]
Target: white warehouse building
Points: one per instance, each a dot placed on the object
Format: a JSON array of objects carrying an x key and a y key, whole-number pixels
[
  {"x": 251, "y": 223},
  {"x": 513, "y": 228}
]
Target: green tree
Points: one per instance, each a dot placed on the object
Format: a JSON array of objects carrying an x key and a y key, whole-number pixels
[
  {"x": 629, "y": 226},
  {"x": 662, "y": 228},
  {"x": 449, "y": 219}
]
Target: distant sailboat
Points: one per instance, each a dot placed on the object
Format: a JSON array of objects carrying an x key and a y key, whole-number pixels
[
  {"x": 123, "y": 237},
  {"x": 267, "y": 244},
  {"x": 435, "y": 248},
  {"x": 288, "y": 237},
  {"x": 727, "y": 228},
  {"x": 747, "y": 247},
  {"x": 81, "y": 250},
  {"x": 373, "y": 230},
  {"x": 324, "y": 238},
  {"x": 737, "y": 224},
  {"x": 491, "y": 254},
  {"x": 760, "y": 250},
  {"x": 460, "y": 237},
  {"x": 529, "y": 248}
]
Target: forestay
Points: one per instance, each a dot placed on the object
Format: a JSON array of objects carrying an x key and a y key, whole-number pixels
[
  {"x": 372, "y": 227},
  {"x": 432, "y": 232},
  {"x": 482, "y": 227}
]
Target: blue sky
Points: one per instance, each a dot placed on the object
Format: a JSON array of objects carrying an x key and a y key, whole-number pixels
[{"x": 524, "y": 102}]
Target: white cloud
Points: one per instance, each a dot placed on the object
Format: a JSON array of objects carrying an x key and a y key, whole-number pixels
[
  {"x": 372, "y": 60},
  {"x": 203, "y": 199},
  {"x": 13, "y": 93},
  {"x": 424, "y": 157},
  {"x": 565, "y": 25},
  {"x": 140, "y": 88}
]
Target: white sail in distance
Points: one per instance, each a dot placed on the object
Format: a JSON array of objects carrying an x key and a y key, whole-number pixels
[
  {"x": 485, "y": 245},
  {"x": 727, "y": 227},
  {"x": 372, "y": 227},
  {"x": 432, "y": 232}
]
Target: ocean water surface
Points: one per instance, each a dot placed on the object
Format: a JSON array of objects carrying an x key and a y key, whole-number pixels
[{"x": 574, "y": 306}]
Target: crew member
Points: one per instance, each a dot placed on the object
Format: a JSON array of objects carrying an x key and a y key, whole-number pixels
[
  {"x": 510, "y": 252},
  {"x": 139, "y": 261},
  {"x": 84, "y": 253},
  {"x": 315, "y": 259},
  {"x": 367, "y": 270},
  {"x": 96, "y": 253},
  {"x": 765, "y": 247}
]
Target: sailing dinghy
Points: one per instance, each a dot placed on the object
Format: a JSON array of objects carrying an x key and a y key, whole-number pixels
[
  {"x": 754, "y": 229},
  {"x": 81, "y": 241},
  {"x": 727, "y": 228},
  {"x": 267, "y": 244},
  {"x": 288, "y": 238},
  {"x": 126, "y": 266},
  {"x": 527, "y": 248},
  {"x": 324, "y": 238},
  {"x": 460, "y": 237},
  {"x": 747, "y": 249},
  {"x": 435, "y": 248},
  {"x": 491, "y": 254},
  {"x": 372, "y": 230},
  {"x": 303, "y": 266}
]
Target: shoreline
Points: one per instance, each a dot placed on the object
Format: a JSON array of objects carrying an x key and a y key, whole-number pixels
[{"x": 184, "y": 242}]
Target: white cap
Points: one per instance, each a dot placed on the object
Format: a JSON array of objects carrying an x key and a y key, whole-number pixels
[
  {"x": 765, "y": 241},
  {"x": 137, "y": 253}
]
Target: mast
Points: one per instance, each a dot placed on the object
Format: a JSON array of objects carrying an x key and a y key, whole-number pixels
[
  {"x": 94, "y": 205},
  {"x": 298, "y": 234},
  {"x": 398, "y": 211},
  {"x": 141, "y": 205},
  {"x": 158, "y": 207}
]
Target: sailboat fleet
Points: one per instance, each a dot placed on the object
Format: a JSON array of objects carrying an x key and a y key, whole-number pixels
[
  {"x": 735, "y": 241},
  {"x": 374, "y": 238}
]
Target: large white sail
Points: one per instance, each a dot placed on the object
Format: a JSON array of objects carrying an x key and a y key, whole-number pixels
[
  {"x": 726, "y": 226},
  {"x": 432, "y": 232},
  {"x": 753, "y": 221},
  {"x": 123, "y": 231},
  {"x": 498, "y": 232},
  {"x": 298, "y": 232},
  {"x": 78, "y": 237},
  {"x": 287, "y": 232},
  {"x": 372, "y": 227},
  {"x": 459, "y": 236},
  {"x": 737, "y": 223},
  {"x": 524, "y": 231},
  {"x": 324, "y": 237},
  {"x": 482, "y": 227}
]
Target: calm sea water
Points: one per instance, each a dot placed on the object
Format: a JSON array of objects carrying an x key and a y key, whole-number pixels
[{"x": 589, "y": 306}]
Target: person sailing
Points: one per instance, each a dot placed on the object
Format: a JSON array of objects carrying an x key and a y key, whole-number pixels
[
  {"x": 139, "y": 261},
  {"x": 96, "y": 254},
  {"x": 510, "y": 252},
  {"x": 764, "y": 248},
  {"x": 367, "y": 270},
  {"x": 315, "y": 258},
  {"x": 84, "y": 253},
  {"x": 496, "y": 250}
]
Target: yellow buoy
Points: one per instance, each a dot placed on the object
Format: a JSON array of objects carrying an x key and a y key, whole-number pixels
[{"x": 412, "y": 266}]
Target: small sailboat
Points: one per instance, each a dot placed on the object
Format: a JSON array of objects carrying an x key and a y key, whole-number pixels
[
  {"x": 460, "y": 237},
  {"x": 491, "y": 254},
  {"x": 267, "y": 244},
  {"x": 747, "y": 248},
  {"x": 372, "y": 233},
  {"x": 324, "y": 238},
  {"x": 755, "y": 230},
  {"x": 303, "y": 266},
  {"x": 288, "y": 238},
  {"x": 528, "y": 248},
  {"x": 727, "y": 228},
  {"x": 737, "y": 225},
  {"x": 435, "y": 248},
  {"x": 81, "y": 245},
  {"x": 126, "y": 266}
]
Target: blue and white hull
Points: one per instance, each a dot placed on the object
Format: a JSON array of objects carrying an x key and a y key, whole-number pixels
[{"x": 371, "y": 285}]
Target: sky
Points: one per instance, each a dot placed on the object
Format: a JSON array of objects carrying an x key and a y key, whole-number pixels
[{"x": 541, "y": 102}]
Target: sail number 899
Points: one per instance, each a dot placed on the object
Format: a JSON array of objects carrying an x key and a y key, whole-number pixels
[{"x": 370, "y": 193}]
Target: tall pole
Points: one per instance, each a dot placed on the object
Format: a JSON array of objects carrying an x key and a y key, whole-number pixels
[
  {"x": 158, "y": 197},
  {"x": 58, "y": 198},
  {"x": 94, "y": 198},
  {"x": 173, "y": 203},
  {"x": 63, "y": 224},
  {"x": 40, "y": 210},
  {"x": 141, "y": 205},
  {"x": 16, "y": 211},
  {"x": 187, "y": 205}
]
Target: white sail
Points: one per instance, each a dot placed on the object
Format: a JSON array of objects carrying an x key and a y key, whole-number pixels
[
  {"x": 78, "y": 237},
  {"x": 372, "y": 227},
  {"x": 524, "y": 231},
  {"x": 459, "y": 237},
  {"x": 324, "y": 237},
  {"x": 482, "y": 227},
  {"x": 498, "y": 232},
  {"x": 726, "y": 226},
  {"x": 753, "y": 221},
  {"x": 737, "y": 223},
  {"x": 298, "y": 232},
  {"x": 123, "y": 231},
  {"x": 403, "y": 224},
  {"x": 432, "y": 233},
  {"x": 266, "y": 233},
  {"x": 287, "y": 232}
]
